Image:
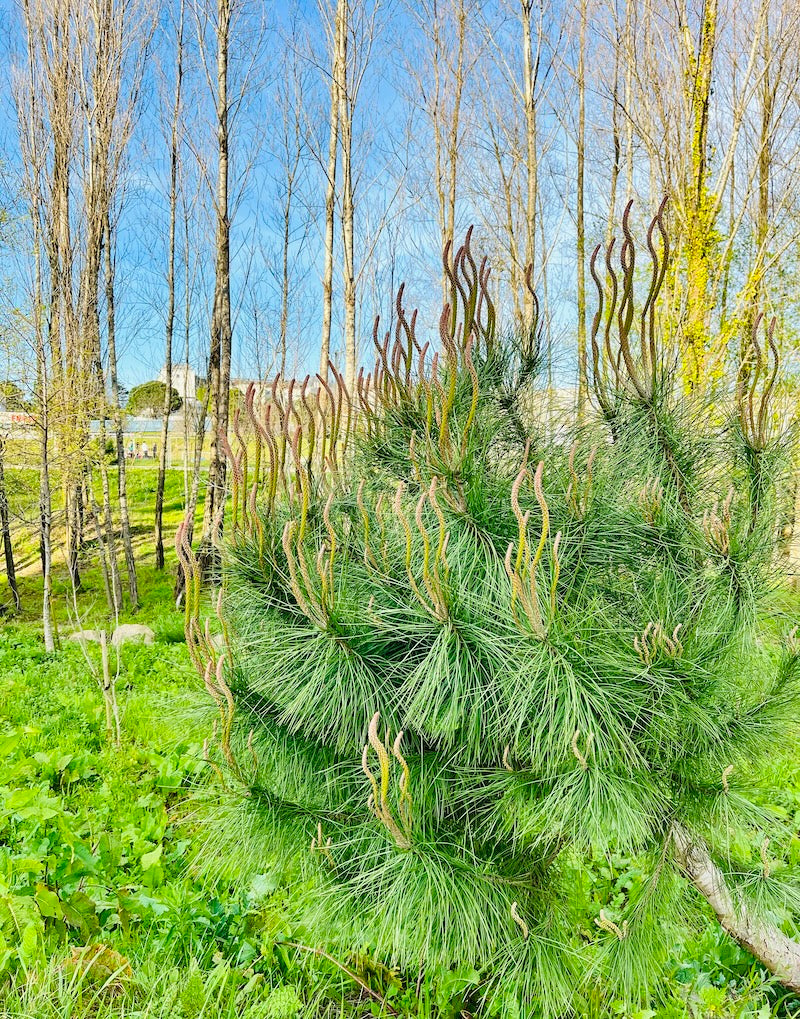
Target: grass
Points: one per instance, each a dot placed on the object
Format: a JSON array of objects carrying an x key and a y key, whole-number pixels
[
  {"x": 22, "y": 484},
  {"x": 97, "y": 851},
  {"x": 103, "y": 910},
  {"x": 155, "y": 585}
]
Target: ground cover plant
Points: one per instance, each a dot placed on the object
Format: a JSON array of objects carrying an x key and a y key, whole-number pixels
[
  {"x": 463, "y": 655},
  {"x": 82, "y": 823},
  {"x": 101, "y": 911}
]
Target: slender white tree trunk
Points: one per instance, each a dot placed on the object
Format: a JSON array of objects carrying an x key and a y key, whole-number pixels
[
  {"x": 337, "y": 87},
  {"x": 122, "y": 475},
  {"x": 530, "y": 76},
  {"x": 170, "y": 323},
  {"x": 348, "y": 267},
  {"x": 220, "y": 347},
  {"x": 583, "y": 386}
]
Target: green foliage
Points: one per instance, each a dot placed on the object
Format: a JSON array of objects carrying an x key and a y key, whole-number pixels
[
  {"x": 235, "y": 399},
  {"x": 468, "y": 655},
  {"x": 12, "y": 396},
  {"x": 98, "y": 913},
  {"x": 86, "y": 839},
  {"x": 223, "y": 947},
  {"x": 209, "y": 949},
  {"x": 148, "y": 399}
]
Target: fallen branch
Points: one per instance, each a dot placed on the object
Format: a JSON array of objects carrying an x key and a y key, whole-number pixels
[
  {"x": 353, "y": 976},
  {"x": 779, "y": 953}
]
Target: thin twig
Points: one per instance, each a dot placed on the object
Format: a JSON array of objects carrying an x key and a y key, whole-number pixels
[{"x": 353, "y": 976}]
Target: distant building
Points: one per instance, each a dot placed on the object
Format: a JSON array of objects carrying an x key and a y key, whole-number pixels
[
  {"x": 184, "y": 381},
  {"x": 17, "y": 424}
]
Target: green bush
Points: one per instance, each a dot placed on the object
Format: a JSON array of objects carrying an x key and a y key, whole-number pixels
[
  {"x": 467, "y": 651},
  {"x": 148, "y": 399},
  {"x": 13, "y": 398}
]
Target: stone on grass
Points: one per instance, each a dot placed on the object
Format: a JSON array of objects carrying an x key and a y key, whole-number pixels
[
  {"x": 132, "y": 633},
  {"x": 82, "y": 636}
]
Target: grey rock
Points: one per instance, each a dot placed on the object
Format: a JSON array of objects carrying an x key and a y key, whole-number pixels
[
  {"x": 82, "y": 636},
  {"x": 132, "y": 633}
]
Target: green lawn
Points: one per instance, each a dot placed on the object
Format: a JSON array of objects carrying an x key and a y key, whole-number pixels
[{"x": 23, "y": 500}]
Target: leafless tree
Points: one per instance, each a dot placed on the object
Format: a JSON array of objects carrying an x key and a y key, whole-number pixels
[
  {"x": 217, "y": 26},
  {"x": 219, "y": 358},
  {"x": 5, "y": 531},
  {"x": 440, "y": 68},
  {"x": 337, "y": 41},
  {"x": 116, "y": 410},
  {"x": 31, "y": 112},
  {"x": 291, "y": 153},
  {"x": 170, "y": 322},
  {"x": 580, "y": 209},
  {"x": 80, "y": 83}
]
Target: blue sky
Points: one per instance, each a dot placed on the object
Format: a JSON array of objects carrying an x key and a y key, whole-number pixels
[
  {"x": 397, "y": 236},
  {"x": 392, "y": 161}
]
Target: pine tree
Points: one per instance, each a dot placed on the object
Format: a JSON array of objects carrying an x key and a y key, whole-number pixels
[{"x": 464, "y": 652}]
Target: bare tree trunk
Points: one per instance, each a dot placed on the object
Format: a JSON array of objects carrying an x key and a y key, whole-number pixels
[
  {"x": 122, "y": 478},
  {"x": 445, "y": 108},
  {"x": 454, "y": 139},
  {"x": 90, "y": 316},
  {"x": 30, "y": 104},
  {"x": 73, "y": 497},
  {"x": 191, "y": 505},
  {"x": 5, "y": 527},
  {"x": 337, "y": 87},
  {"x": 770, "y": 946},
  {"x": 108, "y": 687},
  {"x": 196, "y": 428},
  {"x": 530, "y": 74},
  {"x": 99, "y": 92},
  {"x": 438, "y": 120},
  {"x": 200, "y": 433},
  {"x": 726, "y": 272},
  {"x": 348, "y": 269},
  {"x": 102, "y": 548},
  {"x": 108, "y": 522},
  {"x": 45, "y": 528},
  {"x": 629, "y": 64},
  {"x": 219, "y": 360},
  {"x": 616, "y": 145},
  {"x": 292, "y": 152},
  {"x": 287, "y": 216},
  {"x": 53, "y": 28},
  {"x": 187, "y": 325},
  {"x": 583, "y": 385},
  {"x": 173, "y": 205},
  {"x": 700, "y": 211},
  {"x": 768, "y": 87},
  {"x": 548, "y": 326},
  {"x": 44, "y": 400},
  {"x": 508, "y": 187}
]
